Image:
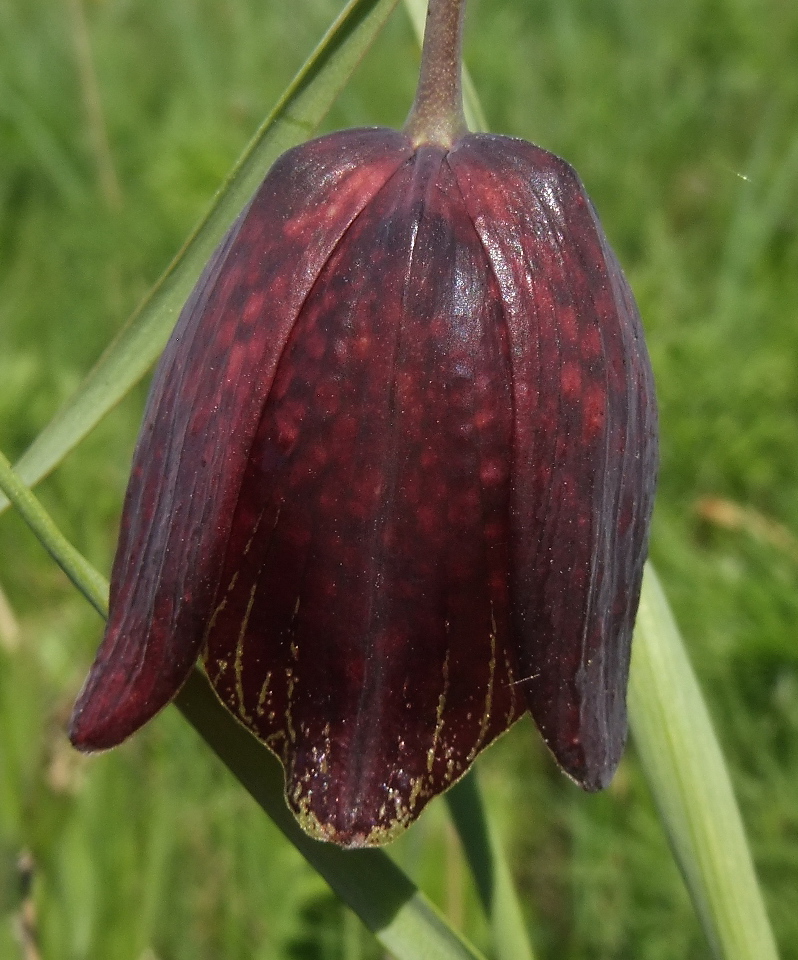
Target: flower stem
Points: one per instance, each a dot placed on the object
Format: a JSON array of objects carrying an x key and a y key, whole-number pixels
[{"x": 437, "y": 112}]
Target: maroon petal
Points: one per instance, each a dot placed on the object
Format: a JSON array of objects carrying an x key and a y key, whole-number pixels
[
  {"x": 583, "y": 449},
  {"x": 362, "y": 629},
  {"x": 201, "y": 418}
]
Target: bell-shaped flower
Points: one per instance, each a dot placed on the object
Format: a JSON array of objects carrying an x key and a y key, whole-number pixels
[{"x": 394, "y": 480}]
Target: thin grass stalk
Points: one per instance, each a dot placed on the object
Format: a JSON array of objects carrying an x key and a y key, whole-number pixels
[
  {"x": 490, "y": 869},
  {"x": 688, "y": 777}
]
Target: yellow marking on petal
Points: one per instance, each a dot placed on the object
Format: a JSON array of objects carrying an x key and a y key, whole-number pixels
[
  {"x": 300, "y": 800},
  {"x": 289, "y": 722},
  {"x": 440, "y": 709},
  {"x": 326, "y": 734},
  {"x": 212, "y": 622},
  {"x": 221, "y": 666},
  {"x": 264, "y": 692},
  {"x": 239, "y": 663},
  {"x": 278, "y": 745},
  {"x": 483, "y": 728},
  {"x": 415, "y": 793},
  {"x": 255, "y": 529},
  {"x": 511, "y": 683}
]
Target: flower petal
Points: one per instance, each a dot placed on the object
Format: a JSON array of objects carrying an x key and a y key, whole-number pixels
[
  {"x": 584, "y": 444},
  {"x": 363, "y": 627},
  {"x": 202, "y": 415}
]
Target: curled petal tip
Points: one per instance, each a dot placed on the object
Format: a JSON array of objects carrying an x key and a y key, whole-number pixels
[{"x": 101, "y": 719}]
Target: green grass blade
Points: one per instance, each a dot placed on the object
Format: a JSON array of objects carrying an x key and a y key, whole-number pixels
[
  {"x": 89, "y": 581},
  {"x": 474, "y": 114},
  {"x": 490, "y": 869},
  {"x": 139, "y": 343},
  {"x": 386, "y": 900},
  {"x": 687, "y": 774}
]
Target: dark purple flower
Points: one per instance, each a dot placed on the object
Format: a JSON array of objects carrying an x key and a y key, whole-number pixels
[{"x": 394, "y": 480}]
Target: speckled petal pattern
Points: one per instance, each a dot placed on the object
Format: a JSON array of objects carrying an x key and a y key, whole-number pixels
[
  {"x": 201, "y": 416},
  {"x": 584, "y": 453},
  {"x": 368, "y": 569}
]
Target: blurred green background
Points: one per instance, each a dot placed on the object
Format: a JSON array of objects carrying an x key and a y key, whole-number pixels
[{"x": 118, "y": 119}]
